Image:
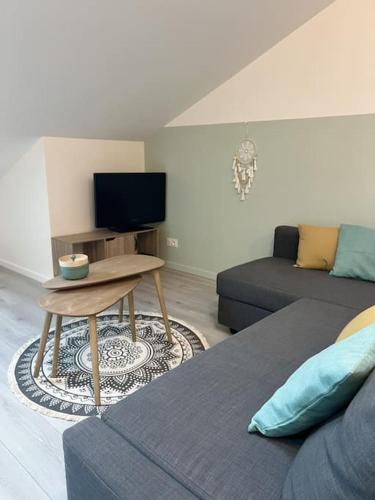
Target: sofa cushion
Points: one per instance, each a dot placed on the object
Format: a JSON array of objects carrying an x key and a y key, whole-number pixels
[
  {"x": 338, "y": 460},
  {"x": 192, "y": 421},
  {"x": 317, "y": 247},
  {"x": 363, "y": 319},
  {"x": 355, "y": 256},
  {"x": 320, "y": 387},
  {"x": 272, "y": 283}
]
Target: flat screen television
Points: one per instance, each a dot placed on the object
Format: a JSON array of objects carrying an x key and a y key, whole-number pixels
[{"x": 128, "y": 200}]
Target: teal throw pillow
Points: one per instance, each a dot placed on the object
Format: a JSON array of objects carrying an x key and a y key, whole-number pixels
[
  {"x": 319, "y": 387},
  {"x": 355, "y": 256}
]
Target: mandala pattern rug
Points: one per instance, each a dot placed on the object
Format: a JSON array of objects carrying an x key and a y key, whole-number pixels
[{"x": 124, "y": 366}]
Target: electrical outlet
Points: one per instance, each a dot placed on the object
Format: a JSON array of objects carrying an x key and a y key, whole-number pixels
[{"x": 172, "y": 242}]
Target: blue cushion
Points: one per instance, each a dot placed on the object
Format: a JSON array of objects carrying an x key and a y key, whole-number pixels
[
  {"x": 355, "y": 256},
  {"x": 319, "y": 387}
]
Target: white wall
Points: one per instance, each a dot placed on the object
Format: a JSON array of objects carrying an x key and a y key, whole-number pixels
[
  {"x": 48, "y": 192},
  {"x": 324, "y": 68},
  {"x": 70, "y": 164},
  {"x": 25, "y": 244}
]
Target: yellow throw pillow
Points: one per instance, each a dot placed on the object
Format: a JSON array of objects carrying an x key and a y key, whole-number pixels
[
  {"x": 317, "y": 247},
  {"x": 363, "y": 319}
]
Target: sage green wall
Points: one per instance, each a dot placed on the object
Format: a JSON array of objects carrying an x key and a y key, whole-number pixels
[{"x": 318, "y": 171}]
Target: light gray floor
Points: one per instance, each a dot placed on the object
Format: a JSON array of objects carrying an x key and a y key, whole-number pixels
[{"x": 31, "y": 458}]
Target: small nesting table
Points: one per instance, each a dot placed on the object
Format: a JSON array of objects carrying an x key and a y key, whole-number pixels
[{"x": 109, "y": 281}]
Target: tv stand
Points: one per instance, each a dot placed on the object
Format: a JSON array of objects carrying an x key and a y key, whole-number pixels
[{"x": 105, "y": 243}]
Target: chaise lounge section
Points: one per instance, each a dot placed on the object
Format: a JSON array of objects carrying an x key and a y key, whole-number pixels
[{"x": 250, "y": 292}]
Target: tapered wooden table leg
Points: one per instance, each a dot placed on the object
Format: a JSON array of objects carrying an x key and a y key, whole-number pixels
[
  {"x": 163, "y": 307},
  {"x": 121, "y": 311},
  {"x": 42, "y": 343},
  {"x": 132, "y": 316},
  {"x": 56, "y": 346},
  {"x": 94, "y": 358}
]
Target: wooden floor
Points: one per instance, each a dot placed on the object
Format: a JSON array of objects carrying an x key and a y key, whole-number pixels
[{"x": 31, "y": 458}]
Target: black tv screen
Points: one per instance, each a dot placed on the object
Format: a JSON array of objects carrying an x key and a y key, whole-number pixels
[{"x": 127, "y": 200}]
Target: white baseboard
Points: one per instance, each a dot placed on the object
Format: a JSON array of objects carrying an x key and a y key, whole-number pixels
[
  {"x": 24, "y": 271},
  {"x": 190, "y": 269}
]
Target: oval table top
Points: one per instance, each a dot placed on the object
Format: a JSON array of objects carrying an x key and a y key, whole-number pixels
[
  {"x": 87, "y": 301},
  {"x": 122, "y": 266}
]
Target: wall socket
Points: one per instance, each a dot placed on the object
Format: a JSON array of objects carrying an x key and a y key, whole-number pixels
[{"x": 172, "y": 242}]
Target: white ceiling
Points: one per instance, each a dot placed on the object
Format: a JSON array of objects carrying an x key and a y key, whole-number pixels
[{"x": 120, "y": 69}]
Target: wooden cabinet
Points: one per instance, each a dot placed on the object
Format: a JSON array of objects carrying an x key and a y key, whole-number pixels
[{"x": 102, "y": 244}]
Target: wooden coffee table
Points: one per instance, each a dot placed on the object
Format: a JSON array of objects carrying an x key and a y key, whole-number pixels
[
  {"x": 108, "y": 282},
  {"x": 116, "y": 268},
  {"x": 84, "y": 302}
]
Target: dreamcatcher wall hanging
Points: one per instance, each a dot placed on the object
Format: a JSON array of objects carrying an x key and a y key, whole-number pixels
[{"x": 244, "y": 165}]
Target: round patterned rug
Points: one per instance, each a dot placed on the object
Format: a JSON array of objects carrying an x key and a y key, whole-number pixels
[{"x": 124, "y": 366}]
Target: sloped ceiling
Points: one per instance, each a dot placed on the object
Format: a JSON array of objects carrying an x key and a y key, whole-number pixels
[{"x": 120, "y": 69}]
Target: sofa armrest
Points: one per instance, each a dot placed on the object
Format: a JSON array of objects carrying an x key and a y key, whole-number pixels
[
  {"x": 100, "y": 464},
  {"x": 286, "y": 242}
]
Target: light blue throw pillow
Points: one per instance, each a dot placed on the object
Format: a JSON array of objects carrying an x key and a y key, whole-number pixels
[
  {"x": 319, "y": 387},
  {"x": 355, "y": 256}
]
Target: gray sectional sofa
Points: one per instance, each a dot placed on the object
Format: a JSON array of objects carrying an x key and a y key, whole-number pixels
[{"x": 184, "y": 435}]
